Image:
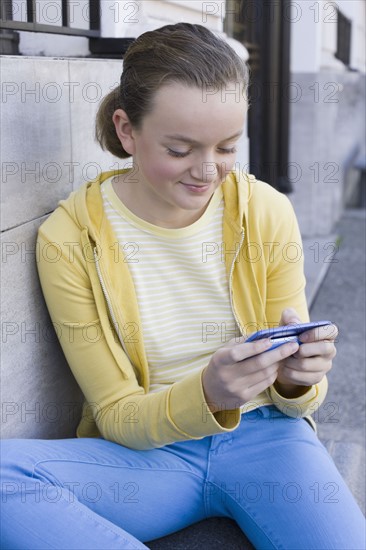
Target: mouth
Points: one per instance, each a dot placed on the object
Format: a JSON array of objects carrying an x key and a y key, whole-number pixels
[{"x": 202, "y": 188}]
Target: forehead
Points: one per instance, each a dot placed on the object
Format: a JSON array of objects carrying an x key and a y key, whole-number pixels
[{"x": 202, "y": 114}]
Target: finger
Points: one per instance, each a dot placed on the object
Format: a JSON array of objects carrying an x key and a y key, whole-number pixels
[
  {"x": 237, "y": 385},
  {"x": 323, "y": 348},
  {"x": 264, "y": 360},
  {"x": 306, "y": 366},
  {"x": 238, "y": 354},
  {"x": 231, "y": 354},
  {"x": 289, "y": 316},
  {"x": 257, "y": 383},
  {"x": 328, "y": 332},
  {"x": 304, "y": 377},
  {"x": 235, "y": 341}
]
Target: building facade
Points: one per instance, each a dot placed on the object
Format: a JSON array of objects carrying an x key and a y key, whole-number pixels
[{"x": 305, "y": 129}]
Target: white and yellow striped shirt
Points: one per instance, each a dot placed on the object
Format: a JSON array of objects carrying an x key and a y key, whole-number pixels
[{"x": 181, "y": 286}]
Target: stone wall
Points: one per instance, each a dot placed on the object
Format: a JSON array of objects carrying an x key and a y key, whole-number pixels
[
  {"x": 48, "y": 108},
  {"x": 327, "y": 133}
]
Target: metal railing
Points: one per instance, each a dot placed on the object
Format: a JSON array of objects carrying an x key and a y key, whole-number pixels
[{"x": 93, "y": 15}]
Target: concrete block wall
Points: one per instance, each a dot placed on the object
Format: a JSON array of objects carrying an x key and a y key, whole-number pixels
[
  {"x": 48, "y": 108},
  {"x": 327, "y": 132}
]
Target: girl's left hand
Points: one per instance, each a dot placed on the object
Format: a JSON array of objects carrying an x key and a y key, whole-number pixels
[{"x": 312, "y": 360}]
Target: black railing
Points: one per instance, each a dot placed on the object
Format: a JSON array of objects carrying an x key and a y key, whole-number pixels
[
  {"x": 31, "y": 24},
  {"x": 344, "y": 28}
]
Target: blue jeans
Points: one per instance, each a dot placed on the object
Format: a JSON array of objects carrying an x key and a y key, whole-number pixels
[{"x": 271, "y": 475}]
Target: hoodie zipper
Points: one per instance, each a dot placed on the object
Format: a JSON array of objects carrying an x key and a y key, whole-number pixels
[
  {"x": 107, "y": 299},
  {"x": 231, "y": 280}
]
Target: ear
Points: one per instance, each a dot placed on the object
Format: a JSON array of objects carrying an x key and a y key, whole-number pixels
[{"x": 124, "y": 130}]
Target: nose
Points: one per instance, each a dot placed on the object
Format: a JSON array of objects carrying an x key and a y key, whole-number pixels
[{"x": 205, "y": 170}]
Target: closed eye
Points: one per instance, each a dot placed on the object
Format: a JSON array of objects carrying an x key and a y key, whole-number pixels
[
  {"x": 221, "y": 150},
  {"x": 228, "y": 151},
  {"x": 177, "y": 153}
]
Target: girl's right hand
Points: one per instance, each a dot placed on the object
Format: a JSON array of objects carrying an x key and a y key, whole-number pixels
[{"x": 239, "y": 371}]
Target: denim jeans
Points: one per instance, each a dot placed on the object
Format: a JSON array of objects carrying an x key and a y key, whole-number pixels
[{"x": 272, "y": 475}]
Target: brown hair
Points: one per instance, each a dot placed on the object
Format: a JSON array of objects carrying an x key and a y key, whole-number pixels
[{"x": 183, "y": 53}]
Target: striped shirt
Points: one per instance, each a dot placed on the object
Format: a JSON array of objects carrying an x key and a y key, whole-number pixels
[{"x": 181, "y": 286}]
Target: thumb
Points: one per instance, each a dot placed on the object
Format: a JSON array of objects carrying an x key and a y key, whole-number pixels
[{"x": 289, "y": 317}]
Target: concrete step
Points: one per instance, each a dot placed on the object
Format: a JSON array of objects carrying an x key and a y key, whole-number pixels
[{"x": 349, "y": 458}]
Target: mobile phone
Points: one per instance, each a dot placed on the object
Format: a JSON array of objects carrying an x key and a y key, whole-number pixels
[{"x": 285, "y": 334}]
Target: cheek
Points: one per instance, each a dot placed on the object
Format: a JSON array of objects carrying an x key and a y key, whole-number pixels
[{"x": 164, "y": 170}]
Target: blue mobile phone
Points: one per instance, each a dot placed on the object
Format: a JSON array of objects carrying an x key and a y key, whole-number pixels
[{"x": 285, "y": 334}]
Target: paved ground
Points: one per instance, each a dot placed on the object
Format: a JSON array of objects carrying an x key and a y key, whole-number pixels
[
  {"x": 342, "y": 299},
  {"x": 341, "y": 420}
]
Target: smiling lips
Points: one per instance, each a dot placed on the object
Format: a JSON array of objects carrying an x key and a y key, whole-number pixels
[{"x": 196, "y": 188}]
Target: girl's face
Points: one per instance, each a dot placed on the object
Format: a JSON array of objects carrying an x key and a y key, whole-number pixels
[{"x": 182, "y": 153}]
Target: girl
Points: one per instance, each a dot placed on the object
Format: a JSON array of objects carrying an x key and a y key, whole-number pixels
[{"x": 171, "y": 264}]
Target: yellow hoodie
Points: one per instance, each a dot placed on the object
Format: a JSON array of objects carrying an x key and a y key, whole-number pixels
[{"x": 92, "y": 302}]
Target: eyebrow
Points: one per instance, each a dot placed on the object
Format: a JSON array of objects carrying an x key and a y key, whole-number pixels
[{"x": 185, "y": 139}]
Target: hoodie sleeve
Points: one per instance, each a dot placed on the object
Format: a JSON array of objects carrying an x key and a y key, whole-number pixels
[{"x": 286, "y": 288}]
